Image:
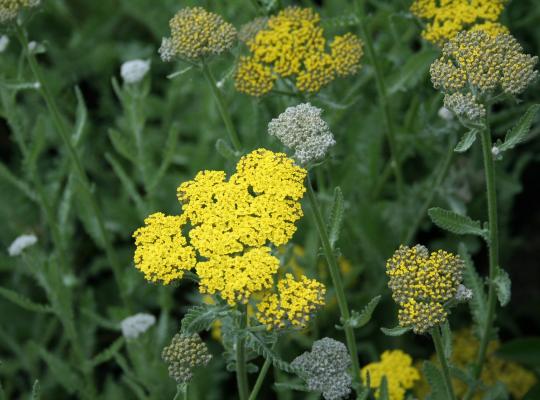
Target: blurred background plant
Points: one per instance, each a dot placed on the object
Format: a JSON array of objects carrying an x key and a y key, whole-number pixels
[{"x": 68, "y": 282}]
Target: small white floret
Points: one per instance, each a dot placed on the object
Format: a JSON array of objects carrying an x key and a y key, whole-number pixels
[
  {"x": 134, "y": 71},
  {"x": 134, "y": 326}
]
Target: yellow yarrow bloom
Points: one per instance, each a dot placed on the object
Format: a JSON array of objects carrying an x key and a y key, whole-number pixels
[
  {"x": 421, "y": 283},
  {"x": 292, "y": 45},
  {"x": 446, "y": 18},
  {"x": 162, "y": 252},
  {"x": 196, "y": 34},
  {"x": 293, "y": 304},
  {"x": 226, "y": 227},
  {"x": 517, "y": 379},
  {"x": 9, "y": 9},
  {"x": 400, "y": 374}
]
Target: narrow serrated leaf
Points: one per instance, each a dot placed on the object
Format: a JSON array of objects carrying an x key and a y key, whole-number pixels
[
  {"x": 520, "y": 131},
  {"x": 17, "y": 183},
  {"x": 225, "y": 149},
  {"x": 127, "y": 183},
  {"x": 81, "y": 117},
  {"x": 200, "y": 318},
  {"x": 170, "y": 149},
  {"x": 24, "y": 302},
  {"x": 336, "y": 217},
  {"x": 108, "y": 353},
  {"x": 435, "y": 380},
  {"x": 359, "y": 319},
  {"x": 282, "y": 386},
  {"x": 396, "y": 331},
  {"x": 466, "y": 141},
  {"x": 255, "y": 343},
  {"x": 383, "y": 389},
  {"x": 497, "y": 391},
  {"x": 456, "y": 223},
  {"x": 478, "y": 303},
  {"x": 62, "y": 371},
  {"x": 503, "y": 286}
]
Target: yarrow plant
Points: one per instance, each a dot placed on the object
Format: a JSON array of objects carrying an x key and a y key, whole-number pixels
[
  {"x": 291, "y": 46},
  {"x": 396, "y": 366},
  {"x": 184, "y": 354},
  {"x": 446, "y": 18},
  {"x": 325, "y": 368},
  {"x": 136, "y": 325},
  {"x": 475, "y": 66},
  {"x": 9, "y": 9},
  {"x": 302, "y": 129}
]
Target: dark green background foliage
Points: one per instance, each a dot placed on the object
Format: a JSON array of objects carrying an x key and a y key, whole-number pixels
[{"x": 86, "y": 42}]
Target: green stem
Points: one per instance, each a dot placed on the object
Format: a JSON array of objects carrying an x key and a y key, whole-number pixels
[
  {"x": 383, "y": 100},
  {"x": 260, "y": 379},
  {"x": 233, "y": 135},
  {"x": 437, "y": 341},
  {"x": 78, "y": 168},
  {"x": 443, "y": 170},
  {"x": 241, "y": 371},
  {"x": 489, "y": 170},
  {"x": 336, "y": 280}
]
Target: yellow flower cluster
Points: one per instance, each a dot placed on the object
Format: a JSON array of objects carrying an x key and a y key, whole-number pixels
[
  {"x": 400, "y": 374},
  {"x": 292, "y": 45},
  {"x": 197, "y": 33},
  {"x": 225, "y": 230},
  {"x": 478, "y": 62},
  {"x": 422, "y": 283},
  {"x": 9, "y": 9},
  {"x": 293, "y": 304},
  {"x": 517, "y": 379},
  {"x": 162, "y": 252},
  {"x": 446, "y": 18}
]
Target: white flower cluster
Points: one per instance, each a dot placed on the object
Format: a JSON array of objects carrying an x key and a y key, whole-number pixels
[
  {"x": 19, "y": 244},
  {"x": 134, "y": 71},
  {"x": 136, "y": 325},
  {"x": 302, "y": 129},
  {"x": 463, "y": 294},
  {"x": 325, "y": 368}
]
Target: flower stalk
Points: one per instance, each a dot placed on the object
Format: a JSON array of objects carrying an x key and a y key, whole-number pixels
[
  {"x": 336, "y": 280},
  {"x": 437, "y": 341},
  {"x": 241, "y": 371}
]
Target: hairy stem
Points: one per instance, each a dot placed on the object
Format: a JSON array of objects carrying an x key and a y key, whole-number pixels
[
  {"x": 437, "y": 341},
  {"x": 241, "y": 371},
  {"x": 336, "y": 279},
  {"x": 260, "y": 379},
  {"x": 77, "y": 164},
  {"x": 220, "y": 101},
  {"x": 491, "y": 191},
  {"x": 383, "y": 100}
]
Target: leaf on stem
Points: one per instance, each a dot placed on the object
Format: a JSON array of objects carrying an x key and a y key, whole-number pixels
[
  {"x": 520, "y": 131},
  {"x": 336, "y": 217},
  {"x": 200, "y": 318},
  {"x": 435, "y": 380},
  {"x": 81, "y": 117},
  {"x": 258, "y": 345},
  {"x": 108, "y": 353},
  {"x": 24, "y": 302},
  {"x": 466, "y": 141},
  {"x": 396, "y": 331},
  {"x": 503, "y": 286},
  {"x": 359, "y": 319},
  {"x": 472, "y": 280},
  {"x": 456, "y": 223}
]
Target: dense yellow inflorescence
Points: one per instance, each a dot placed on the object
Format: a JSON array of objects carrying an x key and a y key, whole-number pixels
[
  {"x": 421, "y": 283},
  {"x": 517, "y": 379},
  {"x": 292, "y": 45},
  {"x": 197, "y": 33},
  {"x": 9, "y": 9},
  {"x": 162, "y": 252},
  {"x": 293, "y": 303},
  {"x": 446, "y": 18},
  {"x": 225, "y": 232},
  {"x": 400, "y": 374}
]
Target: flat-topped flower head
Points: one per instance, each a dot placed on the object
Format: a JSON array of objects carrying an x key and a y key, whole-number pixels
[
  {"x": 237, "y": 278},
  {"x": 292, "y": 45},
  {"x": 197, "y": 34},
  {"x": 422, "y": 283},
  {"x": 162, "y": 252},
  {"x": 302, "y": 129},
  {"x": 183, "y": 355},
  {"x": 293, "y": 304},
  {"x": 475, "y": 65},
  {"x": 400, "y": 374},
  {"x": 446, "y": 18},
  {"x": 325, "y": 368},
  {"x": 9, "y": 9},
  {"x": 135, "y": 325}
]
